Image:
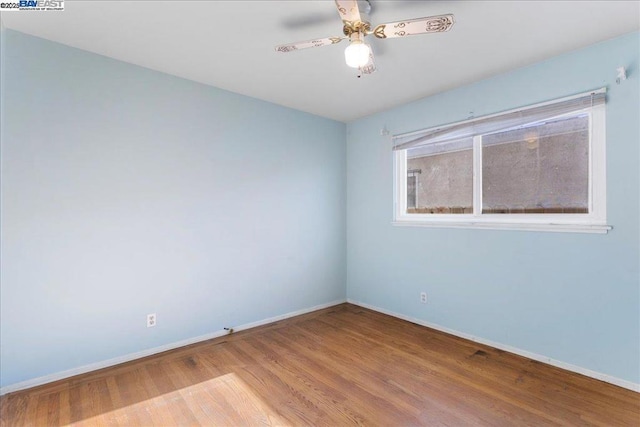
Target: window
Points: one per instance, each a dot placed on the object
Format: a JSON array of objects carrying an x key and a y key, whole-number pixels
[{"x": 540, "y": 167}]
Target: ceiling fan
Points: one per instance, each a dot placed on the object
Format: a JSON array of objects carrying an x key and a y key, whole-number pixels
[{"x": 356, "y": 27}]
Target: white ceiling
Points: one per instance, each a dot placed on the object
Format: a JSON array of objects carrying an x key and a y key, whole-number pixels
[{"x": 230, "y": 44}]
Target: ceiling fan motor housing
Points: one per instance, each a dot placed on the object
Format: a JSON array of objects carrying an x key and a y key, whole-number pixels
[{"x": 361, "y": 27}]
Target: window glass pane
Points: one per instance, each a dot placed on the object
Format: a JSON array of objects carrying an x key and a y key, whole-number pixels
[
  {"x": 411, "y": 191},
  {"x": 440, "y": 179},
  {"x": 540, "y": 169}
]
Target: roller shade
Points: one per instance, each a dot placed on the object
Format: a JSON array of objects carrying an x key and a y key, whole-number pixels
[{"x": 498, "y": 122}]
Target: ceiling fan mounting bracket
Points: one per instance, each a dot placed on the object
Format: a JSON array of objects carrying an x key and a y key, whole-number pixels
[{"x": 362, "y": 27}]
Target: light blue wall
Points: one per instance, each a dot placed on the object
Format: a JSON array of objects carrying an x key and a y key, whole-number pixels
[
  {"x": 571, "y": 297},
  {"x": 126, "y": 191}
]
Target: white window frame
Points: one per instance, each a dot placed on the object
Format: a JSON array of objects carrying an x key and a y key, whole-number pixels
[{"x": 593, "y": 222}]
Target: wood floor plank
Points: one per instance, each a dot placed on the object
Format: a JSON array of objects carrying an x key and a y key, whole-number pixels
[
  {"x": 457, "y": 366},
  {"x": 441, "y": 388},
  {"x": 562, "y": 390},
  {"x": 386, "y": 378},
  {"x": 329, "y": 392},
  {"x": 181, "y": 415},
  {"x": 292, "y": 384},
  {"x": 344, "y": 365},
  {"x": 361, "y": 385},
  {"x": 42, "y": 412},
  {"x": 271, "y": 388}
]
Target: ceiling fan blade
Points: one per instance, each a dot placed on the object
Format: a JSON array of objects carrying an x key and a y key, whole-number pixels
[
  {"x": 348, "y": 10},
  {"x": 309, "y": 43},
  {"x": 410, "y": 27},
  {"x": 369, "y": 67}
]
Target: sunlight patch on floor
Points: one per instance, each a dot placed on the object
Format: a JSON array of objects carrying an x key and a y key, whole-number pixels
[{"x": 222, "y": 401}]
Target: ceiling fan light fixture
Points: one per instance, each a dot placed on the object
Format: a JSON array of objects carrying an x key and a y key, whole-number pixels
[
  {"x": 357, "y": 54},
  {"x": 354, "y": 16}
]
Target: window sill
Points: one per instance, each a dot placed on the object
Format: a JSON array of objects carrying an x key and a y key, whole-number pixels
[{"x": 558, "y": 228}]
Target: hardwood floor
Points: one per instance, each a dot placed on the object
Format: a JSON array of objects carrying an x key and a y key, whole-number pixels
[{"x": 344, "y": 365}]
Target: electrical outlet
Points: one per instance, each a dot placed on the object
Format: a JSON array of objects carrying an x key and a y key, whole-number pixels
[
  {"x": 423, "y": 297},
  {"x": 151, "y": 320}
]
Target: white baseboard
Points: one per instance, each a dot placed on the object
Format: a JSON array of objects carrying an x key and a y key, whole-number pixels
[
  {"x": 144, "y": 353},
  {"x": 557, "y": 363}
]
